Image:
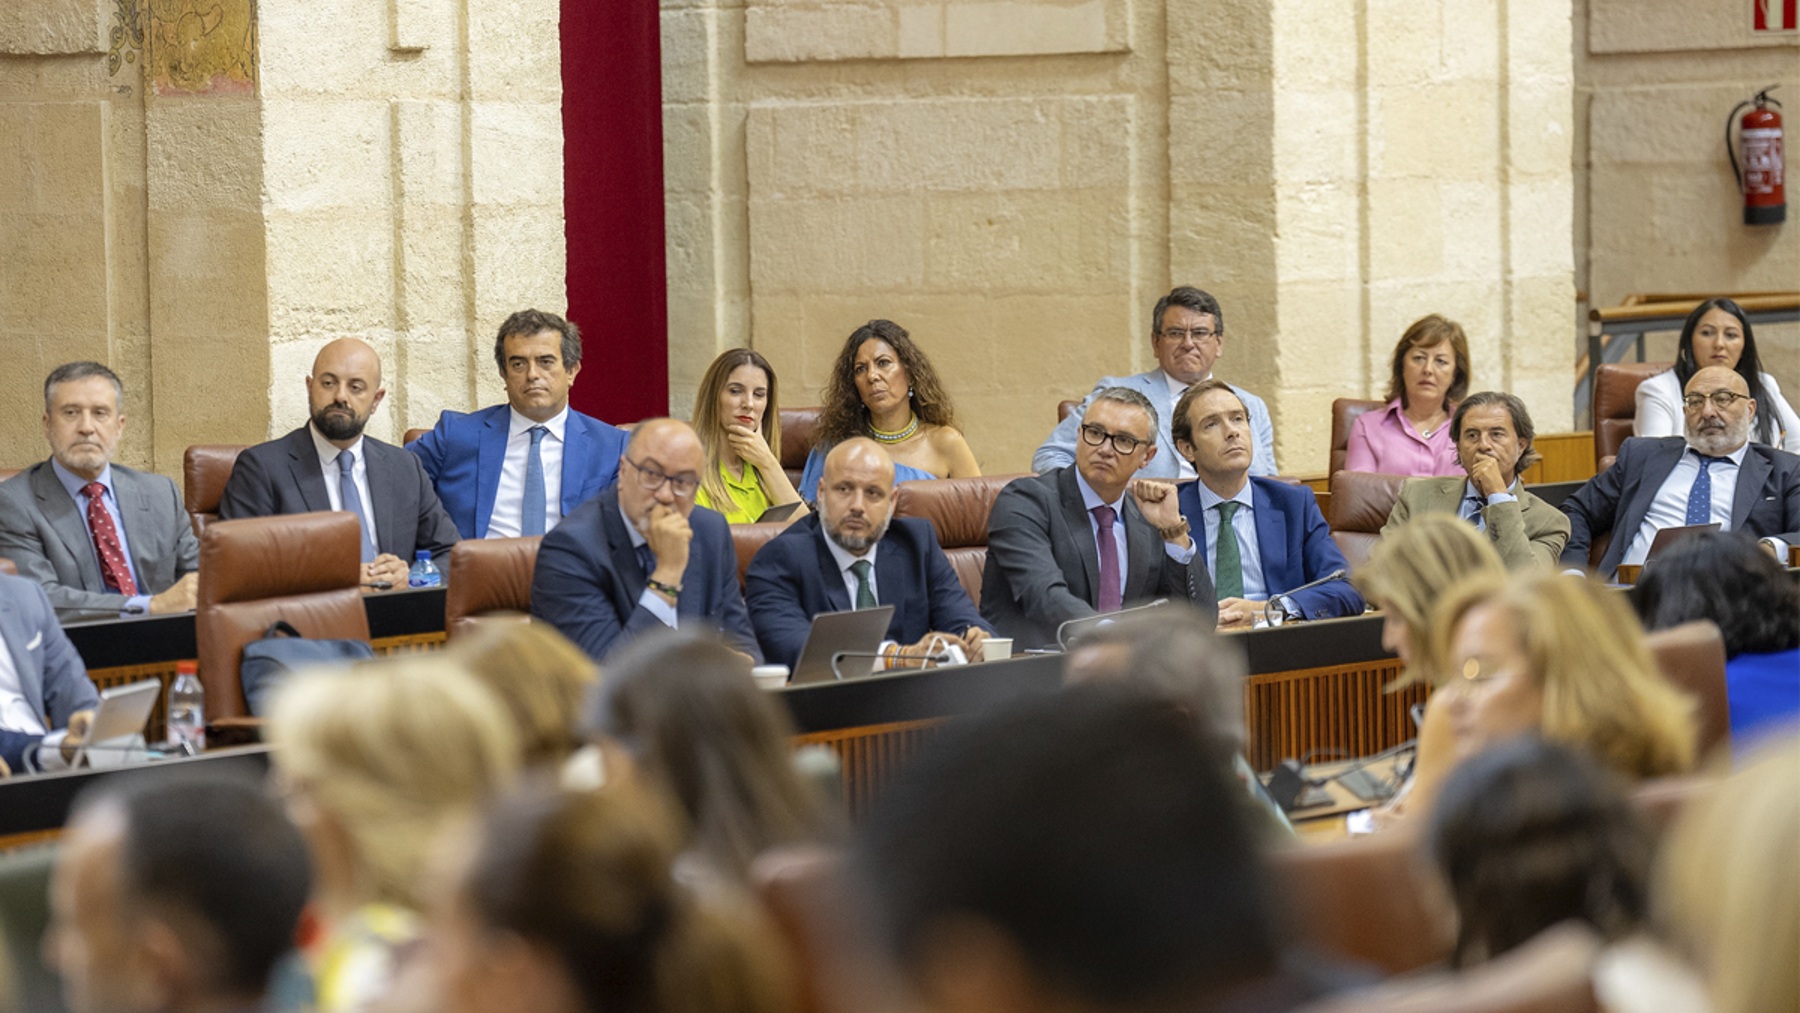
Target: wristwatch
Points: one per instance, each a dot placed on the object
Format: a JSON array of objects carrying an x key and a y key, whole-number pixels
[{"x": 672, "y": 590}]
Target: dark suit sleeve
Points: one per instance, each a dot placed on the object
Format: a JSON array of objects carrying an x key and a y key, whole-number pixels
[
  {"x": 248, "y": 492},
  {"x": 187, "y": 546},
  {"x": 1592, "y": 508},
  {"x": 951, "y": 609},
  {"x": 67, "y": 687},
  {"x": 772, "y": 593},
  {"x": 1190, "y": 582},
  {"x": 1019, "y": 544},
  {"x": 437, "y": 532},
  {"x": 22, "y": 541},
  {"x": 14, "y": 746},
  {"x": 1787, "y": 477},
  {"x": 733, "y": 616},
  {"x": 1333, "y": 598},
  {"x": 567, "y": 591}
]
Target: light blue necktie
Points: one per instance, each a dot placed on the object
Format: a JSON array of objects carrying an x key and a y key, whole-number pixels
[
  {"x": 531, "y": 522},
  {"x": 1699, "y": 509},
  {"x": 352, "y": 500}
]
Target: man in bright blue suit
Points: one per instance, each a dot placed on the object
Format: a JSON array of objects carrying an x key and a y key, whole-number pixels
[
  {"x": 1187, "y": 335},
  {"x": 521, "y": 467},
  {"x": 45, "y": 692},
  {"x": 1263, "y": 538},
  {"x": 853, "y": 553},
  {"x": 641, "y": 555}
]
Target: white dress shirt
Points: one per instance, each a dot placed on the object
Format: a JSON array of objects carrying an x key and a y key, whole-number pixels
[
  {"x": 1669, "y": 507},
  {"x": 509, "y": 498},
  {"x": 359, "y": 473},
  {"x": 1183, "y": 469},
  {"x": 1091, "y": 499},
  {"x": 1244, "y": 524}
]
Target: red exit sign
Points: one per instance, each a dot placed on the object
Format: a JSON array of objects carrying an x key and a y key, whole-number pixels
[{"x": 1775, "y": 16}]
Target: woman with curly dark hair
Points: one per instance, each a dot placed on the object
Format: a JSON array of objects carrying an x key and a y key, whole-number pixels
[{"x": 883, "y": 387}]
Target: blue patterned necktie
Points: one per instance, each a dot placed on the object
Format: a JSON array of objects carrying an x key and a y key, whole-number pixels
[
  {"x": 531, "y": 519},
  {"x": 352, "y": 500},
  {"x": 1699, "y": 507}
]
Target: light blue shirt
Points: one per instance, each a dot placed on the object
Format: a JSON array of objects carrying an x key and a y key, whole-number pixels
[
  {"x": 136, "y": 604},
  {"x": 1091, "y": 499},
  {"x": 657, "y": 605},
  {"x": 1470, "y": 509},
  {"x": 1669, "y": 508},
  {"x": 1244, "y": 524}
]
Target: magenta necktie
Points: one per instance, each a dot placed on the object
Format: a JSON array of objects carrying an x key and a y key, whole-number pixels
[{"x": 1112, "y": 589}]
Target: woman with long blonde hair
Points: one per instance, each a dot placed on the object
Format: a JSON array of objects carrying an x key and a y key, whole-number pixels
[{"x": 737, "y": 416}]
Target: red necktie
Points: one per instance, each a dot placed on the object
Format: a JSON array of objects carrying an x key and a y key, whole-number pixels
[
  {"x": 113, "y": 568},
  {"x": 1112, "y": 593}
]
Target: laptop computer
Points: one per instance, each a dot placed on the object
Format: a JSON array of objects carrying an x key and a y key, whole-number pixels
[
  {"x": 1669, "y": 536},
  {"x": 859, "y": 632},
  {"x": 116, "y": 736}
]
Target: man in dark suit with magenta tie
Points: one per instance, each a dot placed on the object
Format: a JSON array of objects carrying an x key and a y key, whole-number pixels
[
  {"x": 519, "y": 468},
  {"x": 641, "y": 556},
  {"x": 853, "y": 553}
]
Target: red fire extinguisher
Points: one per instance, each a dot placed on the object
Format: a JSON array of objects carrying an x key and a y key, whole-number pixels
[{"x": 1760, "y": 179}]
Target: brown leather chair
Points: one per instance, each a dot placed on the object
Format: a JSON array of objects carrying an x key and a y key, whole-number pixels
[
  {"x": 303, "y": 568},
  {"x": 958, "y": 509},
  {"x": 1692, "y": 656},
  {"x": 205, "y": 468},
  {"x": 488, "y": 575},
  {"x": 1344, "y": 413},
  {"x": 6, "y": 473},
  {"x": 1360, "y": 504},
  {"x": 747, "y": 538},
  {"x": 1615, "y": 403},
  {"x": 1064, "y": 409},
  {"x": 1362, "y": 899},
  {"x": 411, "y": 435},
  {"x": 799, "y": 432}
]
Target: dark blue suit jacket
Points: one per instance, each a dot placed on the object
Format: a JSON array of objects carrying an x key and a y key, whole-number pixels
[
  {"x": 51, "y": 676},
  {"x": 795, "y": 577},
  {"x": 588, "y": 580},
  {"x": 1295, "y": 544},
  {"x": 465, "y": 452}
]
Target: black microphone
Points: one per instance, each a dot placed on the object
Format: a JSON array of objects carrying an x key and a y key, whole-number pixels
[
  {"x": 1101, "y": 619},
  {"x": 841, "y": 655},
  {"x": 1277, "y": 613}
]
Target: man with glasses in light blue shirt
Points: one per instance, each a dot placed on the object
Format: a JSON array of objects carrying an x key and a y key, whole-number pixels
[
  {"x": 641, "y": 555},
  {"x": 1187, "y": 335}
]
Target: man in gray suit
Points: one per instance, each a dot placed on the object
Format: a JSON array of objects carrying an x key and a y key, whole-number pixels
[
  {"x": 102, "y": 539},
  {"x": 44, "y": 687},
  {"x": 1187, "y": 335},
  {"x": 1079, "y": 541},
  {"x": 329, "y": 464}
]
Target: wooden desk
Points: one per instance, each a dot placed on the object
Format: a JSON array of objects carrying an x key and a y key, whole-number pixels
[{"x": 35, "y": 807}]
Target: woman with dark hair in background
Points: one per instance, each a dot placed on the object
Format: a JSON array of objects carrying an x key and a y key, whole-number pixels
[
  {"x": 1717, "y": 333},
  {"x": 1728, "y": 578},
  {"x": 682, "y": 712},
  {"x": 1530, "y": 834},
  {"x": 1411, "y": 436},
  {"x": 738, "y": 419},
  {"x": 883, "y": 387}
]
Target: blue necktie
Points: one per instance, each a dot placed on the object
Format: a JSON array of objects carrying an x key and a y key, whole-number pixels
[
  {"x": 1473, "y": 515},
  {"x": 1699, "y": 509},
  {"x": 646, "y": 560},
  {"x": 531, "y": 521},
  {"x": 352, "y": 500}
]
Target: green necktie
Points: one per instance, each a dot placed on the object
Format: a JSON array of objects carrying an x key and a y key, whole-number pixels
[
  {"x": 865, "y": 595},
  {"x": 1229, "y": 578}
]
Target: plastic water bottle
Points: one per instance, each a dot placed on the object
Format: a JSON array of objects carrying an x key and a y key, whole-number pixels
[
  {"x": 187, "y": 709},
  {"x": 424, "y": 572}
]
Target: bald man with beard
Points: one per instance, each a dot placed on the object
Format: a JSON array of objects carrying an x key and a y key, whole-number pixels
[
  {"x": 329, "y": 464},
  {"x": 1713, "y": 474}
]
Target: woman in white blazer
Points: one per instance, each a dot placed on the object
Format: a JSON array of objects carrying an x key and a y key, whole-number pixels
[{"x": 1717, "y": 333}]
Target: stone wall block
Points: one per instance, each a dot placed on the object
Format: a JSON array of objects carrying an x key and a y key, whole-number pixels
[
  {"x": 322, "y": 154},
  {"x": 687, "y": 54},
  {"x": 1099, "y": 139},
  {"x": 1652, "y": 26},
  {"x": 840, "y": 31},
  {"x": 958, "y": 145},
  {"x": 1405, "y": 42},
  {"x": 1230, "y": 143},
  {"x": 1540, "y": 216},
  {"x": 53, "y": 273},
  {"x": 1318, "y": 236},
  {"x": 1026, "y": 241},
  {"x": 1406, "y": 229},
  {"x": 1540, "y": 128},
  {"x": 921, "y": 31},
  {"x": 842, "y": 245},
  {"x": 520, "y": 259},
  {"x": 803, "y": 150},
  {"x": 1221, "y": 234},
  {"x": 1219, "y": 46},
  {"x": 58, "y": 159},
  {"x": 1012, "y": 28},
  {"x": 1450, "y": 131},
  {"x": 330, "y": 272},
  {"x": 516, "y": 154},
  {"x": 516, "y": 52},
  {"x": 427, "y": 151},
  {"x": 1473, "y": 231},
  {"x": 1317, "y": 136},
  {"x": 53, "y": 27},
  {"x": 1314, "y": 46},
  {"x": 205, "y": 156}
]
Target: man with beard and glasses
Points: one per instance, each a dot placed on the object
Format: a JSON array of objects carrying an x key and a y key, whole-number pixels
[
  {"x": 641, "y": 556},
  {"x": 854, "y": 553},
  {"x": 1713, "y": 474},
  {"x": 328, "y": 464}
]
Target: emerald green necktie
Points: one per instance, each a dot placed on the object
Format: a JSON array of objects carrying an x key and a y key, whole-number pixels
[
  {"x": 865, "y": 595},
  {"x": 1229, "y": 580}
]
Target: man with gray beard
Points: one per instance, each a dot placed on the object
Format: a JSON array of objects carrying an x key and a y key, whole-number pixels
[
  {"x": 1713, "y": 474},
  {"x": 853, "y": 553}
]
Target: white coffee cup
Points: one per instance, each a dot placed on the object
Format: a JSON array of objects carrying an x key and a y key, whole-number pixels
[
  {"x": 770, "y": 676},
  {"x": 996, "y": 649}
]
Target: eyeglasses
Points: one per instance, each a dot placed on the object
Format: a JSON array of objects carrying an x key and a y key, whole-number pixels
[
  {"x": 652, "y": 480},
  {"x": 1197, "y": 334},
  {"x": 1124, "y": 443},
  {"x": 1721, "y": 399}
]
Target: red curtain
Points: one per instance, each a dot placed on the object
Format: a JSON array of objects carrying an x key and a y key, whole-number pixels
[{"x": 613, "y": 205}]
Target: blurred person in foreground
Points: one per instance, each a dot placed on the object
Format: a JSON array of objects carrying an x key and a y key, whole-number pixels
[
  {"x": 681, "y": 712},
  {"x": 565, "y": 902},
  {"x": 1173, "y": 653},
  {"x": 1404, "y": 577},
  {"x": 375, "y": 762},
  {"x": 542, "y": 678},
  {"x": 1079, "y": 851},
  {"x": 1564, "y": 657},
  {"x": 175, "y": 894},
  {"x": 1726, "y": 578}
]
